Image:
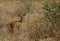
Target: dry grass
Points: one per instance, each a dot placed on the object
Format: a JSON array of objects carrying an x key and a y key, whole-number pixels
[{"x": 29, "y": 20}]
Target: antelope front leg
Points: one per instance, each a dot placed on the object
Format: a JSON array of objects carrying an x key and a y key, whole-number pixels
[{"x": 15, "y": 26}]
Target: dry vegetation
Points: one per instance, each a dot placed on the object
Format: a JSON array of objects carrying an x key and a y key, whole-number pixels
[{"x": 29, "y": 20}]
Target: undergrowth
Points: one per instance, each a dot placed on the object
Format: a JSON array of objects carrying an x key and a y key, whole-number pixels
[{"x": 52, "y": 13}]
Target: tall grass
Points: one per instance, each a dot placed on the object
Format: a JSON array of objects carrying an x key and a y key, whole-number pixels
[{"x": 52, "y": 13}]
